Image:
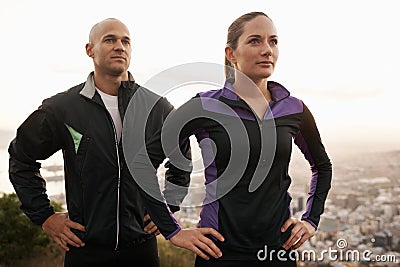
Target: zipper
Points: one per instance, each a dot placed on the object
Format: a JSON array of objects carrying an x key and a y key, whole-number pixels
[
  {"x": 119, "y": 170},
  {"x": 118, "y": 192},
  {"x": 119, "y": 178},
  {"x": 255, "y": 182}
]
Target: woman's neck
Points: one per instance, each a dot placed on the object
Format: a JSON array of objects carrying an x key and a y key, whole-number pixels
[{"x": 250, "y": 89}]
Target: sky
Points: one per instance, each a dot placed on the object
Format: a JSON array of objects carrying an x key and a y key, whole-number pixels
[{"x": 340, "y": 57}]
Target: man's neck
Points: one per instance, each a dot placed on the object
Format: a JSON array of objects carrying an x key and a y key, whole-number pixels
[{"x": 109, "y": 84}]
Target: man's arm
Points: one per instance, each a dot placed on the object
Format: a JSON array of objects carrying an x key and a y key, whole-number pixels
[
  {"x": 34, "y": 141},
  {"x": 37, "y": 139}
]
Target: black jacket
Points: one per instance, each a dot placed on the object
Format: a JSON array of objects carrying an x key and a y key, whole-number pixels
[{"x": 100, "y": 191}]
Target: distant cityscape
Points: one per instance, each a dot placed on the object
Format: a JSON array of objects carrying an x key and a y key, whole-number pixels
[{"x": 362, "y": 210}]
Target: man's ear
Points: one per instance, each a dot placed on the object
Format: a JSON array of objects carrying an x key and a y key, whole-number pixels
[
  {"x": 230, "y": 55},
  {"x": 89, "y": 51}
]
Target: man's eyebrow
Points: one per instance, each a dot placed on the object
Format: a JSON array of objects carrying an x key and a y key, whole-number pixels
[{"x": 114, "y": 36}]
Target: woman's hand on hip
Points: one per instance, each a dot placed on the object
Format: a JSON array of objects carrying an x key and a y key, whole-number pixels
[{"x": 301, "y": 232}]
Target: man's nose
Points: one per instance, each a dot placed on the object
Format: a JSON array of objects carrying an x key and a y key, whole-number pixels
[{"x": 119, "y": 45}]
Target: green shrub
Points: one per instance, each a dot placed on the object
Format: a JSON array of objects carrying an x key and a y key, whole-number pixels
[{"x": 19, "y": 237}]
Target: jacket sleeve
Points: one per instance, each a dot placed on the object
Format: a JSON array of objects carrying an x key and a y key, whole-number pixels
[
  {"x": 36, "y": 139},
  {"x": 182, "y": 124},
  {"x": 177, "y": 180},
  {"x": 309, "y": 141},
  {"x": 143, "y": 167}
]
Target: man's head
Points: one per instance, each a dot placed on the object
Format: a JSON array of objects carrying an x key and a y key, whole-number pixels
[{"x": 110, "y": 47}]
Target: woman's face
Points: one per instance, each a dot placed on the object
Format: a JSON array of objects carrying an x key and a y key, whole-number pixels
[{"x": 257, "y": 49}]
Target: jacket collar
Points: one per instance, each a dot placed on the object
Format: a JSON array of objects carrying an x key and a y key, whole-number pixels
[
  {"x": 278, "y": 91},
  {"x": 89, "y": 88}
]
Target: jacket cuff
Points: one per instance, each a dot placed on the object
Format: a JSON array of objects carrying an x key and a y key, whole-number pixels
[
  {"x": 174, "y": 208},
  {"x": 173, "y": 233},
  {"x": 39, "y": 220}
]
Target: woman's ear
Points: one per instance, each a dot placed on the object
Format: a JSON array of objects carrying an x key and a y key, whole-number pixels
[{"x": 230, "y": 55}]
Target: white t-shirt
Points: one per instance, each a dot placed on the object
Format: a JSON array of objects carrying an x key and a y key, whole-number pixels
[{"x": 111, "y": 103}]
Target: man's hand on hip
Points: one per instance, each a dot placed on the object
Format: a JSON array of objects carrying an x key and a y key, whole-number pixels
[
  {"x": 58, "y": 227},
  {"x": 150, "y": 227}
]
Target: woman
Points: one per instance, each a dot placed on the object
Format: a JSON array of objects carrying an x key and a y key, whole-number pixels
[{"x": 245, "y": 133}]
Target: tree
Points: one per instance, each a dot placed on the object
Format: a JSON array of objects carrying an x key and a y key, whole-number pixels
[{"x": 19, "y": 237}]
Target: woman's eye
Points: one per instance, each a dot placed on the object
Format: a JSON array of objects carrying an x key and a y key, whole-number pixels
[
  {"x": 274, "y": 41},
  {"x": 254, "y": 41}
]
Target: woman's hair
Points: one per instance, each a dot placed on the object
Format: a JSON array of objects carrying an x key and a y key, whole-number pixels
[{"x": 234, "y": 32}]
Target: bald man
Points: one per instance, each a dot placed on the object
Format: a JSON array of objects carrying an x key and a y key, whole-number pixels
[{"x": 107, "y": 223}]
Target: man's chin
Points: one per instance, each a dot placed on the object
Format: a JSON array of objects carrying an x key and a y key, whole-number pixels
[{"x": 118, "y": 71}]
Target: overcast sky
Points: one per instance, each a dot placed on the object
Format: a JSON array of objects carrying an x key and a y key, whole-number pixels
[{"x": 340, "y": 57}]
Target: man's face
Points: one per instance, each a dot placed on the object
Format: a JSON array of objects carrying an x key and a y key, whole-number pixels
[{"x": 110, "y": 48}]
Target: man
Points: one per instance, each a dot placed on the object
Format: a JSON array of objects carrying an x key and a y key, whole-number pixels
[{"x": 106, "y": 215}]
